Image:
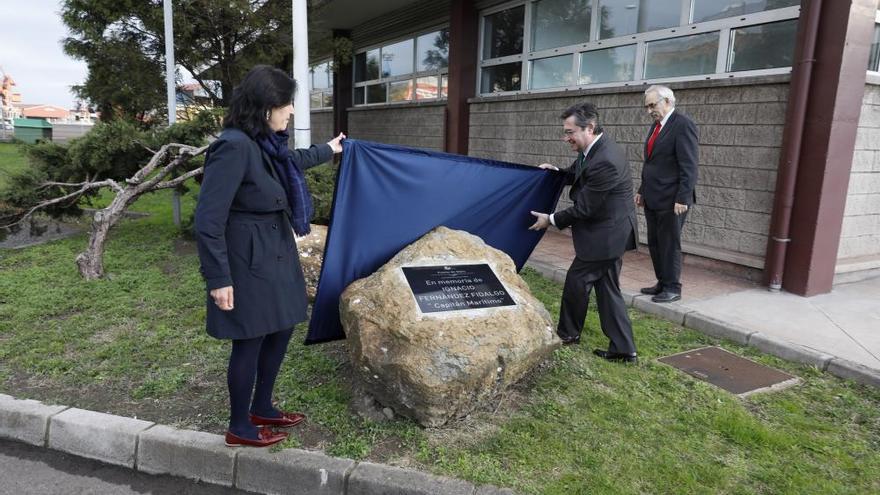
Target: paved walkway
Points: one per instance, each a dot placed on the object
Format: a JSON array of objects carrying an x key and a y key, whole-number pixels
[{"x": 844, "y": 324}]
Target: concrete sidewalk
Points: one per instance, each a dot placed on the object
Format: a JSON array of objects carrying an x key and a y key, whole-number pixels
[{"x": 839, "y": 331}]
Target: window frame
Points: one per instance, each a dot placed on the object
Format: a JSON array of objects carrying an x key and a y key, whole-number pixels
[
  {"x": 875, "y": 70},
  {"x": 685, "y": 28},
  {"x": 414, "y": 76}
]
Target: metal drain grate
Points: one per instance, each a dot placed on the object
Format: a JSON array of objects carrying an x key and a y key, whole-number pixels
[{"x": 726, "y": 370}]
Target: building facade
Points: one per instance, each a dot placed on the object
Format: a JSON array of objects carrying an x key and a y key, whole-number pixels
[{"x": 789, "y": 117}]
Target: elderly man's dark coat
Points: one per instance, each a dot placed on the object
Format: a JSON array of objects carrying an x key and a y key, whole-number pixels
[{"x": 245, "y": 239}]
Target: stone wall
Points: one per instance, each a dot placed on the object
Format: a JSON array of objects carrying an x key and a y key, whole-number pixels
[
  {"x": 322, "y": 126},
  {"x": 416, "y": 125},
  {"x": 740, "y": 123},
  {"x": 860, "y": 236}
]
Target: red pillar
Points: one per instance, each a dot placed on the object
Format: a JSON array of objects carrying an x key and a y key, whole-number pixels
[
  {"x": 463, "y": 36},
  {"x": 837, "y": 87}
]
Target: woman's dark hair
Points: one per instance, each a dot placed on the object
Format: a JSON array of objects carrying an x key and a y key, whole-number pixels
[{"x": 262, "y": 89}]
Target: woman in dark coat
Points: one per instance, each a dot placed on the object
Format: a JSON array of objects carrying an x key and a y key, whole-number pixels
[{"x": 253, "y": 192}]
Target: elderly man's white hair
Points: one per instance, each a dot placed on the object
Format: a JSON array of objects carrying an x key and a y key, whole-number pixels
[{"x": 662, "y": 92}]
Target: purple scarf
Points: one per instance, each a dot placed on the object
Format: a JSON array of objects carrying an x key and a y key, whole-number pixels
[{"x": 292, "y": 178}]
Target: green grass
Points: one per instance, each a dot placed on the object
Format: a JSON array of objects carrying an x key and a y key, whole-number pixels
[
  {"x": 11, "y": 161},
  {"x": 134, "y": 343}
]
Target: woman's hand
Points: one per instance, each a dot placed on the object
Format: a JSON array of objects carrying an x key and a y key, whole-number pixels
[
  {"x": 336, "y": 143},
  {"x": 223, "y": 298}
]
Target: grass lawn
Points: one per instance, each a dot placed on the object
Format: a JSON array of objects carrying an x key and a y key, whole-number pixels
[
  {"x": 134, "y": 344},
  {"x": 11, "y": 161}
]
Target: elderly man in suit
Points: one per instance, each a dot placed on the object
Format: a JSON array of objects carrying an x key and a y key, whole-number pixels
[
  {"x": 667, "y": 191},
  {"x": 603, "y": 227}
]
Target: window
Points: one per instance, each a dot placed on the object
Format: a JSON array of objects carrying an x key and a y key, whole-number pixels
[
  {"x": 558, "y": 23},
  {"x": 621, "y": 17},
  {"x": 552, "y": 72},
  {"x": 874, "y": 57},
  {"x": 708, "y": 10},
  {"x": 686, "y": 56},
  {"x": 544, "y": 45},
  {"x": 765, "y": 46},
  {"x": 608, "y": 65},
  {"x": 402, "y": 70},
  {"x": 321, "y": 85},
  {"x": 503, "y": 33}
]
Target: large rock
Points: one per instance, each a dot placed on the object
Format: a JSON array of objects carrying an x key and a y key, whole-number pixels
[
  {"x": 311, "y": 256},
  {"x": 438, "y": 366}
]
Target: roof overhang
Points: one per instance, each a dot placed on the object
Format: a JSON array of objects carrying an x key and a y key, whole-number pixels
[{"x": 347, "y": 14}]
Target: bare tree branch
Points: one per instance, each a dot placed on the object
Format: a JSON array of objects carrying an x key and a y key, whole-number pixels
[
  {"x": 178, "y": 180},
  {"x": 74, "y": 195}
]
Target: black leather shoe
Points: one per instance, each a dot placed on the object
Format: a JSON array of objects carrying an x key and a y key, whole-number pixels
[
  {"x": 666, "y": 297},
  {"x": 570, "y": 340},
  {"x": 616, "y": 356},
  {"x": 651, "y": 291}
]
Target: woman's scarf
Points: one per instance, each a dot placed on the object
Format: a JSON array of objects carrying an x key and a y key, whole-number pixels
[{"x": 292, "y": 178}]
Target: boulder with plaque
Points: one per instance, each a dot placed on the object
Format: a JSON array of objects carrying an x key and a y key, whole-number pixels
[{"x": 444, "y": 327}]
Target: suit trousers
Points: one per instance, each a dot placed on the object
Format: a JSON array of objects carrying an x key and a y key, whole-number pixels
[
  {"x": 582, "y": 277},
  {"x": 664, "y": 242}
]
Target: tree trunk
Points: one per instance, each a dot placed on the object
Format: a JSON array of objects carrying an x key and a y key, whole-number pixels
[{"x": 91, "y": 261}]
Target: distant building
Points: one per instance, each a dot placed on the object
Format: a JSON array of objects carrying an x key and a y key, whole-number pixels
[{"x": 49, "y": 113}]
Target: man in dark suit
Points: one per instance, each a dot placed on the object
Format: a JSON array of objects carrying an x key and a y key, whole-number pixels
[
  {"x": 669, "y": 178},
  {"x": 603, "y": 227}
]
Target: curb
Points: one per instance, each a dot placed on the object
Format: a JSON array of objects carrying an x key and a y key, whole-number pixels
[
  {"x": 783, "y": 349},
  {"x": 199, "y": 456}
]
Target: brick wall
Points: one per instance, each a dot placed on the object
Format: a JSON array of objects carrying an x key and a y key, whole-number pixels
[
  {"x": 416, "y": 125},
  {"x": 740, "y": 124},
  {"x": 322, "y": 126},
  {"x": 860, "y": 235}
]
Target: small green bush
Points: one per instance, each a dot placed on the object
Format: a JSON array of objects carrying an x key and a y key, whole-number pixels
[{"x": 322, "y": 181}]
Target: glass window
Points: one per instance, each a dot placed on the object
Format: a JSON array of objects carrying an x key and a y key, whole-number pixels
[
  {"x": 762, "y": 47},
  {"x": 321, "y": 76},
  {"x": 707, "y": 10},
  {"x": 689, "y": 55},
  {"x": 377, "y": 93},
  {"x": 359, "y": 95},
  {"x": 503, "y": 33},
  {"x": 552, "y": 72},
  {"x": 315, "y": 100},
  {"x": 622, "y": 17},
  {"x": 328, "y": 99},
  {"x": 874, "y": 56},
  {"x": 427, "y": 87},
  {"x": 608, "y": 65},
  {"x": 397, "y": 59},
  {"x": 366, "y": 66},
  {"x": 504, "y": 77},
  {"x": 433, "y": 51},
  {"x": 444, "y": 87},
  {"x": 560, "y": 23},
  {"x": 400, "y": 90}
]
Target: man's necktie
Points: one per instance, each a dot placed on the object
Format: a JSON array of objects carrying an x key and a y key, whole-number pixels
[
  {"x": 653, "y": 138},
  {"x": 580, "y": 166}
]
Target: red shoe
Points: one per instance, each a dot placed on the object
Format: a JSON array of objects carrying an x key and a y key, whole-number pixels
[
  {"x": 287, "y": 420},
  {"x": 265, "y": 438}
]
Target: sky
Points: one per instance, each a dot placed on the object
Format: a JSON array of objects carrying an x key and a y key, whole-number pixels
[{"x": 31, "y": 53}]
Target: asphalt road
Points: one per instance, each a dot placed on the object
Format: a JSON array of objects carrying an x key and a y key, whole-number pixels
[{"x": 29, "y": 470}]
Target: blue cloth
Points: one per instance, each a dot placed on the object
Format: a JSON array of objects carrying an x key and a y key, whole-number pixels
[
  {"x": 389, "y": 196},
  {"x": 294, "y": 181}
]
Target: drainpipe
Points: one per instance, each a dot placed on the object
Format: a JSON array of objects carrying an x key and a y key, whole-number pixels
[{"x": 799, "y": 93}]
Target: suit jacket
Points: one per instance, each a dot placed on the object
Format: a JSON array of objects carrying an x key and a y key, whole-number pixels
[
  {"x": 669, "y": 175},
  {"x": 245, "y": 239},
  {"x": 603, "y": 217}
]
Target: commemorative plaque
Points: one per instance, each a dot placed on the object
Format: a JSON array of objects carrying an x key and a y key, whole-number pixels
[{"x": 456, "y": 287}]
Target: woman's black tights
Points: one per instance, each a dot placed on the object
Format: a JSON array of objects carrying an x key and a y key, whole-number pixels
[{"x": 257, "y": 359}]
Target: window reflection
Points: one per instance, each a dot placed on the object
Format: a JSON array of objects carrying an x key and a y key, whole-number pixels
[
  {"x": 874, "y": 57},
  {"x": 427, "y": 87},
  {"x": 708, "y": 10},
  {"x": 433, "y": 50},
  {"x": 377, "y": 93},
  {"x": 504, "y": 77},
  {"x": 622, "y": 17},
  {"x": 762, "y": 47},
  {"x": 397, "y": 59},
  {"x": 503, "y": 33},
  {"x": 400, "y": 91},
  {"x": 608, "y": 65},
  {"x": 552, "y": 72},
  {"x": 560, "y": 23},
  {"x": 685, "y": 56}
]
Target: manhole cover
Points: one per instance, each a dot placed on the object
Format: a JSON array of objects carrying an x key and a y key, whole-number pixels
[{"x": 733, "y": 373}]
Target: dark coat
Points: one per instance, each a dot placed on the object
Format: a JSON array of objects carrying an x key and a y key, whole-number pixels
[
  {"x": 603, "y": 217},
  {"x": 245, "y": 239},
  {"x": 669, "y": 176}
]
